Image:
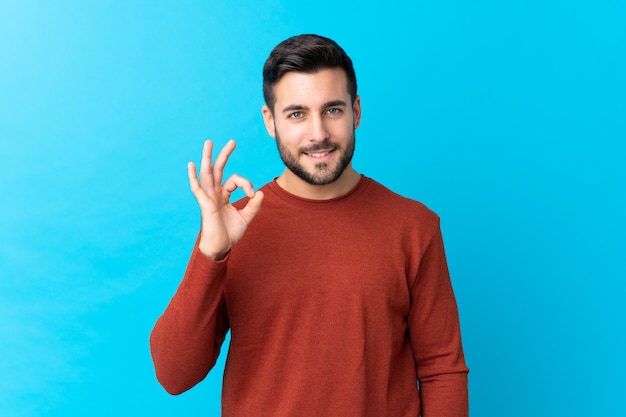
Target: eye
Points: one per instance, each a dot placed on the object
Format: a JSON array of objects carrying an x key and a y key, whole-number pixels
[
  {"x": 334, "y": 111},
  {"x": 296, "y": 115}
]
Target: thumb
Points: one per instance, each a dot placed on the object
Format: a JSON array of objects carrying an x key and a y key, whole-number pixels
[{"x": 253, "y": 207}]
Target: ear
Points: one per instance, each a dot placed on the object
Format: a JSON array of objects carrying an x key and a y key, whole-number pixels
[
  {"x": 268, "y": 118},
  {"x": 356, "y": 111}
]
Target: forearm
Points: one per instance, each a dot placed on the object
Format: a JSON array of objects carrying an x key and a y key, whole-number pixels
[
  {"x": 445, "y": 395},
  {"x": 436, "y": 337},
  {"x": 186, "y": 339},
  {"x": 442, "y": 375}
]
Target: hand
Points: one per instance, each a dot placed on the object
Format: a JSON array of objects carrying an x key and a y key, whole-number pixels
[{"x": 222, "y": 224}]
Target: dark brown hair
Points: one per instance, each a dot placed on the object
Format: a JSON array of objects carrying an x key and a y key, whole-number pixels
[{"x": 308, "y": 54}]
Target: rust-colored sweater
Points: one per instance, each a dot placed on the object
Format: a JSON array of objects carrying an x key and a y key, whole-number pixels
[{"x": 336, "y": 308}]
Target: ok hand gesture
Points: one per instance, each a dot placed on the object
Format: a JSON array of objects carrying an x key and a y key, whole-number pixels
[{"x": 222, "y": 224}]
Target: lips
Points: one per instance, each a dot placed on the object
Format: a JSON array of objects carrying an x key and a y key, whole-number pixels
[
  {"x": 321, "y": 153},
  {"x": 318, "y": 154}
]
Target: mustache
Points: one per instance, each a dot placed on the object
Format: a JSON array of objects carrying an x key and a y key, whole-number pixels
[{"x": 326, "y": 144}]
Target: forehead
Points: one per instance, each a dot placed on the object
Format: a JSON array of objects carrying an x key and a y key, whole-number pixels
[{"x": 311, "y": 89}]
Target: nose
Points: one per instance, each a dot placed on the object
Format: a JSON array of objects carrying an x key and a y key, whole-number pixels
[{"x": 318, "y": 131}]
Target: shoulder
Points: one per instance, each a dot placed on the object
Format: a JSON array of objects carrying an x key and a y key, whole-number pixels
[{"x": 388, "y": 202}]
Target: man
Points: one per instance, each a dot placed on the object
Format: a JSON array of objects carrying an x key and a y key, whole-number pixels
[{"x": 335, "y": 289}]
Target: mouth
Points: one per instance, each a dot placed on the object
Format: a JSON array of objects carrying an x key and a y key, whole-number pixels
[{"x": 320, "y": 154}]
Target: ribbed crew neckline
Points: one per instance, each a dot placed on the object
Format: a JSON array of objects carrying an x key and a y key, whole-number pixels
[{"x": 318, "y": 204}]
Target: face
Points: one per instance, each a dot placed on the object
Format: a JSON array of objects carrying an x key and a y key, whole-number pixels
[{"x": 313, "y": 122}]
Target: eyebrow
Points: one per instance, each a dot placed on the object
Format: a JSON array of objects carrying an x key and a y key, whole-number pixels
[{"x": 332, "y": 103}]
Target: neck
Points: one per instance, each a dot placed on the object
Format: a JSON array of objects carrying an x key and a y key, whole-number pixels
[{"x": 293, "y": 184}]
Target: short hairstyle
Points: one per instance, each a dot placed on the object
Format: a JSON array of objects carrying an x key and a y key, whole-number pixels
[{"x": 308, "y": 54}]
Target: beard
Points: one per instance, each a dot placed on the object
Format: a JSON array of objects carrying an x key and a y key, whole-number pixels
[{"x": 322, "y": 173}]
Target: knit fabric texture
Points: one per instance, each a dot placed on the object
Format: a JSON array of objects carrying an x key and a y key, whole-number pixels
[{"x": 339, "y": 307}]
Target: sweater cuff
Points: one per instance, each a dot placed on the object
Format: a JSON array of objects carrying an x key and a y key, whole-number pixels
[{"x": 201, "y": 267}]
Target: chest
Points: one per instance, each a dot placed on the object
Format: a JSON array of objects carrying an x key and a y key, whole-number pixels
[{"x": 330, "y": 267}]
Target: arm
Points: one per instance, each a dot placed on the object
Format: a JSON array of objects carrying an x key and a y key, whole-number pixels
[
  {"x": 186, "y": 339},
  {"x": 436, "y": 336}
]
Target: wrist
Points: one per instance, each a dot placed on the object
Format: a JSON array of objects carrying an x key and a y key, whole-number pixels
[{"x": 210, "y": 253}]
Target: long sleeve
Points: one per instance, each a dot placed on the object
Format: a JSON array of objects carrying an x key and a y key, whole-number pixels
[
  {"x": 436, "y": 337},
  {"x": 186, "y": 339}
]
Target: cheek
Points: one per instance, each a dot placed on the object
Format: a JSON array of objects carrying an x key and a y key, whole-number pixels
[
  {"x": 290, "y": 133},
  {"x": 342, "y": 130}
]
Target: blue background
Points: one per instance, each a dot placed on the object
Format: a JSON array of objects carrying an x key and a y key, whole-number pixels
[{"x": 506, "y": 118}]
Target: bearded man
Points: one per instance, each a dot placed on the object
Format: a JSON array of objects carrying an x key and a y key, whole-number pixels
[{"x": 335, "y": 289}]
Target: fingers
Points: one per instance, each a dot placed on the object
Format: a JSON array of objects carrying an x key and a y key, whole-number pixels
[
  {"x": 220, "y": 161},
  {"x": 193, "y": 175},
  {"x": 211, "y": 174},
  {"x": 253, "y": 207},
  {"x": 194, "y": 184},
  {"x": 206, "y": 172},
  {"x": 236, "y": 181}
]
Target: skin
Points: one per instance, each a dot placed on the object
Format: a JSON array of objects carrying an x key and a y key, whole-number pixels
[
  {"x": 313, "y": 122},
  {"x": 222, "y": 224}
]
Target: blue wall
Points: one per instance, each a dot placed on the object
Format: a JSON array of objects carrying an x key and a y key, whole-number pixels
[{"x": 507, "y": 118}]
